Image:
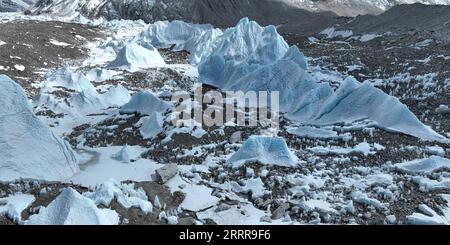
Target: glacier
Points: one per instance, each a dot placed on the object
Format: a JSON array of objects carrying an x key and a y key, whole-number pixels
[
  {"x": 31, "y": 150},
  {"x": 249, "y": 57}
]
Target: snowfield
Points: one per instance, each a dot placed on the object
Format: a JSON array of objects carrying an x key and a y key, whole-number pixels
[{"x": 346, "y": 151}]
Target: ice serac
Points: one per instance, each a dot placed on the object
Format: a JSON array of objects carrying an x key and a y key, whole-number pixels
[
  {"x": 126, "y": 154},
  {"x": 265, "y": 150},
  {"x": 241, "y": 50},
  {"x": 249, "y": 57},
  {"x": 355, "y": 101},
  {"x": 145, "y": 103},
  {"x": 28, "y": 148},
  {"x": 81, "y": 93},
  {"x": 133, "y": 57},
  {"x": 65, "y": 77},
  {"x": 71, "y": 208},
  {"x": 195, "y": 38}
]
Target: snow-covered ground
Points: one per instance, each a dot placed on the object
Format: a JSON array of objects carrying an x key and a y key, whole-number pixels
[{"x": 346, "y": 152}]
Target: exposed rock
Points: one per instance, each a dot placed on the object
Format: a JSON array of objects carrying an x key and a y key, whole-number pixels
[
  {"x": 166, "y": 173},
  {"x": 236, "y": 137},
  {"x": 280, "y": 211}
]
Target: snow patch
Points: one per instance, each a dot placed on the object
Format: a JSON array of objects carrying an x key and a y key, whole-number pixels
[
  {"x": 13, "y": 205},
  {"x": 425, "y": 165}
]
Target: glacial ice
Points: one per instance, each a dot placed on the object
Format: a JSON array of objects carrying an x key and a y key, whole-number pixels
[
  {"x": 126, "y": 154},
  {"x": 133, "y": 57},
  {"x": 81, "y": 92},
  {"x": 71, "y": 208},
  {"x": 194, "y": 38},
  {"x": 31, "y": 150},
  {"x": 427, "y": 217},
  {"x": 91, "y": 99},
  {"x": 265, "y": 150},
  {"x": 249, "y": 57},
  {"x": 151, "y": 125},
  {"x": 145, "y": 103},
  {"x": 239, "y": 51},
  {"x": 67, "y": 78}
]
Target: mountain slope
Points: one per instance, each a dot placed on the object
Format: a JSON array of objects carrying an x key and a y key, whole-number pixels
[
  {"x": 433, "y": 20},
  {"x": 15, "y": 5},
  {"x": 220, "y": 13},
  {"x": 357, "y": 7},
  {"x": 223, "y": 11}
]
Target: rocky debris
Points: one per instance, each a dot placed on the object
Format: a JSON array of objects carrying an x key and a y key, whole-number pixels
[
  {"x": 322, "y": 189},
  {"x": 167, "y": 172},
  {"x": 236, "y": 137},
  {"x": 266, "y": 219},
  {"x": 418, "y": 18},
  {"x": 28, "y": 44},
  {"x": 280, "y": 211},
  {"x": 220, "y": 13},
  {"x": 443, "y": 109}
]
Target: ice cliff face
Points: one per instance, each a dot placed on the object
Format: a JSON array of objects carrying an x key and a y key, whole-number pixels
[
  {"x": 249, "y": 57},
  {"x": 28, "y": 148}
]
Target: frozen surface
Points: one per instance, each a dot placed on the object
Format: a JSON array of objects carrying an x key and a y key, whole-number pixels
[
  {"x": 240, "y": 50},
  {"x": 99, "y": 168},
  {"x": 428, "y": 185},
  {"x": 151, "y": 125}
]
